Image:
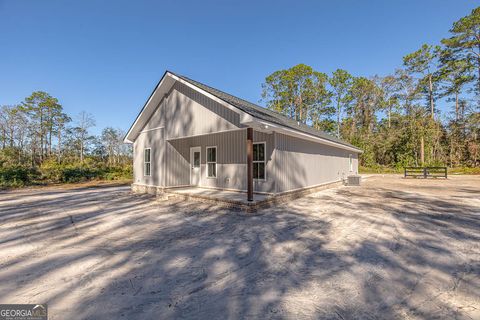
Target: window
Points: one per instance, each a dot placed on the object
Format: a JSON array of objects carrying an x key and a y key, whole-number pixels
[
  {"x": 350, "y": 161},
  {"x": 211, "y": 162},
  {"x": 196, "y": 159},
  {"x": 146, "y": 162},
  {"x": 259, "y": 161}
]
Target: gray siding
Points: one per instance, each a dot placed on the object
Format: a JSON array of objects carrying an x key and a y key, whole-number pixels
[
  {"x": 184, "y": 112},
  {"x": 154, "y": 140},
  {"x": 300, "y": 163},
  {"x": 269, "y": 184},
  {"x": 189, "y": 113},
  {"x": 177, "y": 166},
  {"x": 187, "y": 119},
  {"x": 231, "y": 160},
  {"x": 157, "y": 119}
]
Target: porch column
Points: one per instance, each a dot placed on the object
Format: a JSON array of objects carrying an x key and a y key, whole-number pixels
[{"x": 250, "y": 164}]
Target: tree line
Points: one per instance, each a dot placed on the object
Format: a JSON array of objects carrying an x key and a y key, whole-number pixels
[
  {"x": 395, "y": 118},
  {"x": 39, "y": 142}
]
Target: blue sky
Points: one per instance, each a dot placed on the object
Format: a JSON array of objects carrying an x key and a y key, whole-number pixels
[{"x": 105, "y": 57}]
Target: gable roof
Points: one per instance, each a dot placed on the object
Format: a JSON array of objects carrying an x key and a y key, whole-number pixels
[
  {"x": 263, "y": 113},
  {"x": 256, "y": 112}
]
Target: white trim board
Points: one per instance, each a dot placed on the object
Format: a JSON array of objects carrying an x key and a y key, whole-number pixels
[
  {"x": 149, "y": 162},
  {"x": 152, "y": 129},
  {"x": 206, "y": 162},
  {"x": 147, "y": 107},
  {"x": 264, "y": 160},
  {"x": 191, "y": 165},
  {"x": 204, "y": 134}
]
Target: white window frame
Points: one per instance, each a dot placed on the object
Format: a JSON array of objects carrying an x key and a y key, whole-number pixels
[
  {"x": 207, "y": 162},
  {"x": 264, "y": 161},
  {"x": 149, "y": 162},
  {"x": 350, "y": 159}
]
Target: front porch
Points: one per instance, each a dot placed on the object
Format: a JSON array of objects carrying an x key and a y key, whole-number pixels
[
  {"x": 223, "y": 162},
  {"x": 238, "y": 199},
  {"x": 222, "y": 197}
]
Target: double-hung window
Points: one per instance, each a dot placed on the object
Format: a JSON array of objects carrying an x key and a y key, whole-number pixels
[
  {"x": 146, "y": 162},
  {"x": 211, "y": 162},
  {"x": 259, "y": 161}
]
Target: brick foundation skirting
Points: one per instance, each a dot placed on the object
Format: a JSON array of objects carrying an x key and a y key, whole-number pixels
[
  {"x": 140, "y": 188},
  {"x": 232, "y": 204}
]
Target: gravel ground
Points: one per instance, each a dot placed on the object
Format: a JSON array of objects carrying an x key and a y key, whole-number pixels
[{"x": 392, "y": 248}]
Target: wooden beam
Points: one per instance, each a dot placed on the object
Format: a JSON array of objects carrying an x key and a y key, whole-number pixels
[{"x": 250, "y": 164}]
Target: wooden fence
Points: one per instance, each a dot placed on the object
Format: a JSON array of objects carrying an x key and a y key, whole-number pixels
[{"x": 426, "y": 172}]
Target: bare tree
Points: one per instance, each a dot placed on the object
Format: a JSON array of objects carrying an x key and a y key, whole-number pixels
[{"x": 84, "y": 122}]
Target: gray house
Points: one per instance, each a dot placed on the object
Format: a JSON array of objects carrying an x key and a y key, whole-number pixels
[{"x": 190, "y": 134}]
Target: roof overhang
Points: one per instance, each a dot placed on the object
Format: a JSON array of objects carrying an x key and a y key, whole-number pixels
[
  {"x": 161, "y": 89},
  {"x": 168, "y": 80},
  {"x": 265, "y": 126}
]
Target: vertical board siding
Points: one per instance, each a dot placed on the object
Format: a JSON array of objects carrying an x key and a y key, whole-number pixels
[
  {"x": 188, "y": 112},
  {"x": 154, "y": 140},
  {"x": 231, "y": 160},
  {"x": 302, "y": 163},
  {"x": 183, "y": 112},
  {"x": 157, "y": 118},
  {"x": 206, "y": 102},
  {"x": 230, "y": 157},
  {"x": 291, "y": 163},
  {"x": 177, "y": 165}
]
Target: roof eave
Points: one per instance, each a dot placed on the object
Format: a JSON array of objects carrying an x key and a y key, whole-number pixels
[
  {"x": 128, "y": 138},
  {"x": 301, "y": 134},
  {"x": 245, "y": 117}
]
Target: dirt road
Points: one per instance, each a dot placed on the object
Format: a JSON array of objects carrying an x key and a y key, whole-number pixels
[{"x": 393, "y": 248}]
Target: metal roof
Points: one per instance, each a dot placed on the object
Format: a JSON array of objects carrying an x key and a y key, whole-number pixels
[{"x": 263, "y": 113}]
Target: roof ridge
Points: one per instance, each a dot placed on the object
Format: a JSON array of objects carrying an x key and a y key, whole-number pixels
[
  {"x": 236, "y": 97},
  {"x": 243, "y": 104}
]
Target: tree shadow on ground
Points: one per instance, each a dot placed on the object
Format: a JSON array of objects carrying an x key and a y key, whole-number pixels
[{"x": 372, "y": 252}]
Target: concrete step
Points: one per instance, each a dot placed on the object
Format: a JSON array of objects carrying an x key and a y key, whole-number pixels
[{"x": 166, "y": 196}]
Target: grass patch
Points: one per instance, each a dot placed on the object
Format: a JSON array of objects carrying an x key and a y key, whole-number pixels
[
  {"x": 464, "y": 170},
  {"x": 379, "y": 169}
]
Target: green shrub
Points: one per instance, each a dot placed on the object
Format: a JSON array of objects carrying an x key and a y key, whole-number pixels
[
  {"x": 75, "y": 173},
  {"x": 379, "y": 169},
  {"x": 117, "y": 173},
  {"x": 17, "y": 176},
  {"x": 53, "y": 171}
]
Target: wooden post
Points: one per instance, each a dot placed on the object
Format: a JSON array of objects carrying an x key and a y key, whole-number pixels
[
  {"x": 422, "y": 151},
  {"x": 250, "y": 164}
]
